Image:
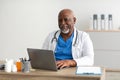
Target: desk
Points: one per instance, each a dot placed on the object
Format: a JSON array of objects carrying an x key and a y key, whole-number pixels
[{"x": 64, "y": 74}]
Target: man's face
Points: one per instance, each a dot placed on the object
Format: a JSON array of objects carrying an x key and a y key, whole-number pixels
[{"x": 66, "y": 22}]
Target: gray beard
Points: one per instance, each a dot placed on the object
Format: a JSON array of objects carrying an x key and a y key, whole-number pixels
[{"x": 65, "y": 31}]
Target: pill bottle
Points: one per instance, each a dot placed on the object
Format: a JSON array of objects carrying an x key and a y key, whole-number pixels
[{"x": 19, "y": 65}]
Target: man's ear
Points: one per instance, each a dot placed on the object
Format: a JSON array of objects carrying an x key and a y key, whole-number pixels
[{"x": 74, "y": 19}]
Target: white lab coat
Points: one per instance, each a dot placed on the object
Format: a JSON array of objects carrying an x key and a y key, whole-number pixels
[{"x": 82, "y": 51}]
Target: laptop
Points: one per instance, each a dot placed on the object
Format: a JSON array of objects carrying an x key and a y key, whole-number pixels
[{"x": 42, "y": 59}]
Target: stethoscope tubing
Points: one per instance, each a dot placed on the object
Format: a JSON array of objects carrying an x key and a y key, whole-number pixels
[{"x": 55, "y": 38}]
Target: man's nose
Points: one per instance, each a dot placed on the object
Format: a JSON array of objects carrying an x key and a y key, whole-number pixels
[{"x": 63, "y": 22}]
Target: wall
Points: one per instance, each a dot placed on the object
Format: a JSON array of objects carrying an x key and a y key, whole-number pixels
[{"x": 26, "y": 23}]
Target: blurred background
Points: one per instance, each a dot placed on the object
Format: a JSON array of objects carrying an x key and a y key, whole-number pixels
[{"x": 26, "y": 23}]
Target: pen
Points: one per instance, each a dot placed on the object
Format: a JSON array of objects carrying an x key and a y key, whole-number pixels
[
  {"x": 29, "y": 60},
  {"x": 21, "y": 59},
  {"x": 25, "y": 59},
  {"x": 88, "y": 73}
]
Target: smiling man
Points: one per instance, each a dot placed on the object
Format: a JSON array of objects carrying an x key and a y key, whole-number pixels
[{"x": 71, "y": 46}]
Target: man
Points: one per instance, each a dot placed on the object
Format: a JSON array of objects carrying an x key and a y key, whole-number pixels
[{"x": 71, "y": 47}]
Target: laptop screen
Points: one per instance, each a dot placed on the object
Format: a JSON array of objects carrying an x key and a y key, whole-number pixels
[{"x": 42, "y": 59}]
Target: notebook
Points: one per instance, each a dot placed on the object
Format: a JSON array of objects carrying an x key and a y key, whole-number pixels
[
  {"x": 42, "y": 59},
  {"x": 89, "y": 70}
]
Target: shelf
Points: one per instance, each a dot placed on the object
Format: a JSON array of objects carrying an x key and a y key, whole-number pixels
[{"x": 102, "y": 30}]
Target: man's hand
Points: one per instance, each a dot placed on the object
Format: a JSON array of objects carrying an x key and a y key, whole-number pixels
[{"x": 65, "y": 63}]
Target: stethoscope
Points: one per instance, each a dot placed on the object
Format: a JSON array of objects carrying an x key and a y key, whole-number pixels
[{"x": 55, "y": 38}]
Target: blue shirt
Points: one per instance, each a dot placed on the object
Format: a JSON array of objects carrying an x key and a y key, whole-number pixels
[{"x": 63, "y": 49}]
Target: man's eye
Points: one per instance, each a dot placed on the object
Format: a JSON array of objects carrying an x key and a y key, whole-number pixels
[
  {"x": 66, "y": 19},
  {"x": 60, "y": 20}
]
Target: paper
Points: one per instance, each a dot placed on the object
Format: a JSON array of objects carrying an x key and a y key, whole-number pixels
[{"x": 89, "y": 70}]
